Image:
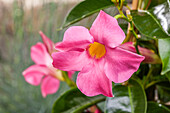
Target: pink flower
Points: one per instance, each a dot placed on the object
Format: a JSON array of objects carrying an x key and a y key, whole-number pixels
[
  {"x": 43, "y": 72},
  {"x": 150, "y": 56},
  {"x": 97, "y": 55}
]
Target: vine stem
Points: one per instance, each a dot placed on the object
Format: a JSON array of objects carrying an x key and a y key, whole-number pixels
[{"x": 129, "y": 19}]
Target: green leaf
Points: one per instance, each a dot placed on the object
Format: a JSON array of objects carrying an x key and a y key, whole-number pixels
[
  {"x": 156, "y": 108},
  {"x": 164, "y": 52},
  {"x": 86, "y": 8},
  {"x": 164, "y": 91},
  {"x": 156, "y": 2},
  {"x": 153, "y": 23},
  {"x": 127, "y": 99},
  {"x": 73, "y": 101},
  {"x": 168, "y": 75}
]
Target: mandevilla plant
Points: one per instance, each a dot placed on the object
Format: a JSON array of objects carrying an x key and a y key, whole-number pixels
[{"x": 118, "y": 73}]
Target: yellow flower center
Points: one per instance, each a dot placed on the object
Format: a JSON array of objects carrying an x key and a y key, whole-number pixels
[{"x": 97, "y": 50}]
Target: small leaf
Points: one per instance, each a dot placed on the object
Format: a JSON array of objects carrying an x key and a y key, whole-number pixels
[
  {"x": 127, "y": 99},
  {"x": 164, "y": 52},
  {"x": 156, "y": 108},
  {"x": 153, "y": 23},
  {"x": 86, "y": 8},
  {"x": 74, "y": 101}
]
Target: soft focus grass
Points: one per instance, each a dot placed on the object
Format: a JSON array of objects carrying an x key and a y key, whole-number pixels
[{"x": 18, "y": 32}]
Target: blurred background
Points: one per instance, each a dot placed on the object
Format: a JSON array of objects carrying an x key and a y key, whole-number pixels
[{"x": 20, "y": 22}]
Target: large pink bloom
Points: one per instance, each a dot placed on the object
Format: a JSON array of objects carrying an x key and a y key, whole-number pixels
[
  {"x": 97, "y": 55},
  {"x": 42, "y": 72}
]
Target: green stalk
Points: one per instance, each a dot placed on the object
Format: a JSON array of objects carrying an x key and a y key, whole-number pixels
[
  {"x": 140, "y": 4},
  {"x": 131, "y": 30},
  {"x": 148, "y": 76},
  {"x": 121, "y": 5},
  {"x": 68, "y": 80}
]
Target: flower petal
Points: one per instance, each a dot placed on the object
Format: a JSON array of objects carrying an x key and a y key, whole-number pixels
[
  {"x": 47, "y": 42},
  {"x": 40, "y": 55},
  {"x": 106, "y": 30},
  {"x": 75, "y": 37},
  {"x": 92, "y": 80},
  {"x": 70, "y": 61},
  {"x": 37, "y": 68},
  {"x": 34, "y": 74},
  {"x": 49, "y": 85},
  {"x": 121, "y": 64},
  {"x": 150, "y": 56},
  {"x": 33, "y": 78}
]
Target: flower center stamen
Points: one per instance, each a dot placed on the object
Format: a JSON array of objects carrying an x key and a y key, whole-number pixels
[{"x": 97, "y": 50}]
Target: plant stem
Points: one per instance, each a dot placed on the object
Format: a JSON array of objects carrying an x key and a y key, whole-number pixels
[
  {"x": 148, "y": 75},
  {"x": 68, "y": 80},
  {"x": 140, "y": 4},
  {"x": 129, "y": 34},
  {"x": 121, "y": 16},
  {"x": 152, "y": 83},
  {"x": 131, "y": 29},
  {"x": 128, "y": 7},
  {"x": 121, "y": 5}
]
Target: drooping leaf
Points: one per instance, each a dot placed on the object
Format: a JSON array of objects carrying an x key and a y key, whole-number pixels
[
  {"x": 153, "y": 23},
  {"x": 154, "y": 107},
  {"x": 164, "y": 52},
  {"x": 127, "y": 99},
  {"x": 73, "y": 101},
  {"x": 86, "y": 8}
]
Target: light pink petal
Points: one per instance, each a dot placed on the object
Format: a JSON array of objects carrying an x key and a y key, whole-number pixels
[
  {"x": 34, "y": 74},
  {"x": 33, "y": 78},
  {"x": 106, "y": 30},
  {"x": 74, "y": 38},
  {"x": 47, "y": 42},
  {"x": 121, "y": 64},
  {"x": 49, "y": 85},
  {"x": 150, "y": 56},
  {"x": 70, "y": 61},
  {"x": 92, "y": 80},
  {"x": 40, "y": 55},
  {"x": 38, "y": 68}
]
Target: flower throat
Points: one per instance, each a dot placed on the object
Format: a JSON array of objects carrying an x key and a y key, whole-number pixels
[{"x": 97, "y": 50}]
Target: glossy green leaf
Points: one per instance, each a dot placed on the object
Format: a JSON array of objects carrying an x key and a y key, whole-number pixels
[
  {"x": 127, "y": 99},
  {"x": 156, "y": 2},
  {"x": 154, "y": 107},
  {"x": 73, "y": 101},
  {"x": 153, "y": 23},
  {"x": 162, "y": 15},
  {"x": 86, "y": 8},
  {"x": 164, "y": 52}
]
